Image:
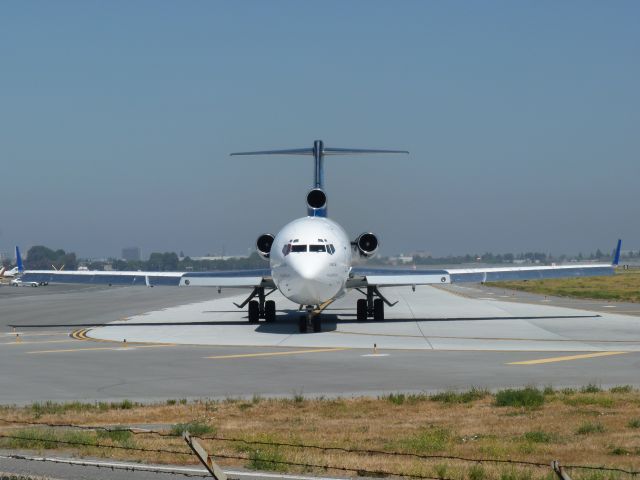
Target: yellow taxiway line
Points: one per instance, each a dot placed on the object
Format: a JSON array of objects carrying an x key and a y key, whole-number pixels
[
  {"x": 40, "y": 334},
  {"x": 121, "y": 347},
  {"x": 566, "y": 358},
  {"x": 273, "y": 354},
  {"x": 21, "y": 342}
]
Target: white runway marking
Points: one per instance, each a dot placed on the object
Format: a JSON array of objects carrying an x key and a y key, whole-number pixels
[{"x": 375, "y": 355}]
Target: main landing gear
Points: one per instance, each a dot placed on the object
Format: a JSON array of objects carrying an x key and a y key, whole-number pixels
[
  {"x": 371, "y": 307},
  {"x": 260, "y": 308},
  {"x": 310, "y": 320}
]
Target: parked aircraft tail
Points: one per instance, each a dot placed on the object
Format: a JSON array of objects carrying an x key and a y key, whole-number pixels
[
  {"x": 616, "y": 253},
  {"x": 19, "y": 260}
]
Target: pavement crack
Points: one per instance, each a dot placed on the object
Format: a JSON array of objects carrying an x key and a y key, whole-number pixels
[{"x": 417, "y": 322}]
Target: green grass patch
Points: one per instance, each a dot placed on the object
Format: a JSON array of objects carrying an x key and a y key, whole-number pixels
[
  {"x": 582, "y": 400},
  {"x": 539, "y": 436},
  {"x": 621, "y": 389},
  {"x": 442, "y": 470},
  {"x": 477, "y": 472},
  {"x": 408, "y": 398},
  {"x": 298, "y": 396},
  {"x": 521, "y": 474},
  {"x": 620, "y": 451},
  {"x": 194, "y": 428},
  {"x": 264, "y": 457},
  {"x": 269, "y": 459},
  {"x": 452, "y": 397},
  {"x": 634, "y": 423},
  {"x": 46, "y": 438},
  {"x": 591, "y": 388},
  {"x": 121, "y": 437},
  {"x": 53, "y": 408},
  {"x": 589, "y": 428},
  {"x": 431, "y": 439},
  {"x": 529, "y": 397},
  {"x": 623, "y": 286}
]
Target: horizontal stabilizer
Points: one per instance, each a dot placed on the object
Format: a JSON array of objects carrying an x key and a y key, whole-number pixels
[
  {"x": 357, "y": 151},
  {"x": 323, "y": 151},
  {"x": 292, "y": 151}
]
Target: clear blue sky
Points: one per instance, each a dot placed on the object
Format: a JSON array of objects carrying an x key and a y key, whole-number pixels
[{"x": 522, "y": 118}]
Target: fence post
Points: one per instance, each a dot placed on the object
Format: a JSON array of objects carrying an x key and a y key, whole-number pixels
[
  {"x": 215, "y": 471},
  {"x": 557, "y": 468}
]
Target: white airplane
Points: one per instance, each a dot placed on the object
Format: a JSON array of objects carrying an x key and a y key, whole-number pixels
[
  {"x": 311, "y": 263},
  {"x": 4, "y": 273}
]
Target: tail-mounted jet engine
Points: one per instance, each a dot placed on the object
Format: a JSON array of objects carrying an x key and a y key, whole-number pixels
[
  {"x": 263, "y": 245},
  {"x": 316, "y": 202},
  {"x": 366, "y": 244}
]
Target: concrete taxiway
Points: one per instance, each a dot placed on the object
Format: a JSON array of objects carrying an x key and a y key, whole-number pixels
[{"x": 193, "y": 343}]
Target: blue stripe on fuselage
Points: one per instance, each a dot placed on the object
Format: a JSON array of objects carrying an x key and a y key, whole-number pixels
[{"x": 317, "y": 212}]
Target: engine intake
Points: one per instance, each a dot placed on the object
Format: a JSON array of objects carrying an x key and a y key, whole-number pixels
[
  {"x": 367, "y": 244},
  {"x": 316, "y": 199},
  {"x": 263, "y": 244}
]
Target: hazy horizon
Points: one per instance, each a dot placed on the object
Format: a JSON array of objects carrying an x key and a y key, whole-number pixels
[{"x": 118, "y": 118}]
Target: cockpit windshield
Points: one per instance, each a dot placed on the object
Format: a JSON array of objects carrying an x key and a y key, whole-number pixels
[{"x": 293, "y": 247}]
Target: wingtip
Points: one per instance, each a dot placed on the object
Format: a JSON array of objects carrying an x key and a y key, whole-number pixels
[{"x": 616, "y": 255}]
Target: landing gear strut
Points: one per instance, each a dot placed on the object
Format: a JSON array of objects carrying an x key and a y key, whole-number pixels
[
  {"x": 371, "y": 307},
  {"x": 311, "y": 319},
  {"x": 260, "y": 308}
]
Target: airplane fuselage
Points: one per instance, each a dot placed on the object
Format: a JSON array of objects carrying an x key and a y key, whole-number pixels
[{"x": 310, "y": 260}]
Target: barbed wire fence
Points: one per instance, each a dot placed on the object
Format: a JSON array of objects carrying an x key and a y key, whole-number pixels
[{"x": 271, "y": 461}]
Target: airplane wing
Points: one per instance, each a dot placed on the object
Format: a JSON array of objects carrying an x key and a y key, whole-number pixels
[
  {"x": 383, "y": 277},
  {"x": 231, "y": 278}
]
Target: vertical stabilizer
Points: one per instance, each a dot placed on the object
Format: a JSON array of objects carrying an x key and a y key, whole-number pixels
[
  {"x": 616, "y": 253},
  {"x": 19, "y": 260},
  {"x": 319, "y": 151}
]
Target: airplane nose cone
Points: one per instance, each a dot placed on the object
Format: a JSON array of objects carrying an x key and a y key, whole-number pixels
[
  {"x": 308, "y": 270},
  {"x": 310, "y": 285}
]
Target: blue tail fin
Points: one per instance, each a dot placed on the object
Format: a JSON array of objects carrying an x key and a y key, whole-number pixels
[
  {"x": 616, "y": 253},
  {"x": 19, "y": 260}
]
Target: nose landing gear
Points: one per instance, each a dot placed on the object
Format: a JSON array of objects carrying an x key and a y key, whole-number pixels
[
  {"x": 310, "y": 320},
  {"x": 371, "y": 307}
]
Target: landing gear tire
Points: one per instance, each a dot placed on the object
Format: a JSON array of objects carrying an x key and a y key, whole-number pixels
[
  {"x": 361, "y": 310},
  {"x": 302, "y": 324},
  {"x": 269, "y": 311},
  {"x": 378, "y": 310},
  {"x": 254, "y": 311},
  {"x": 317, "y": 324}
]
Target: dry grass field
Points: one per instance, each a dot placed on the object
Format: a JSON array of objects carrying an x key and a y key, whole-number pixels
[
  {"x": 624, "y": 286},
  {"x": 583, "y": 427}
]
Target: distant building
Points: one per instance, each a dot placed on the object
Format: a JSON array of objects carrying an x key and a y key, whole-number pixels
[
  {"x": 131, "y": 254},
  {"x": 401, "y": 259},
  {"x": 217, "y": 257}
]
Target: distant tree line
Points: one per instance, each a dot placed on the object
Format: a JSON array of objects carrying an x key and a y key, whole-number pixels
[
  {"x": 169, "y": 261},
  {"x": 43, "y": 258}
]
